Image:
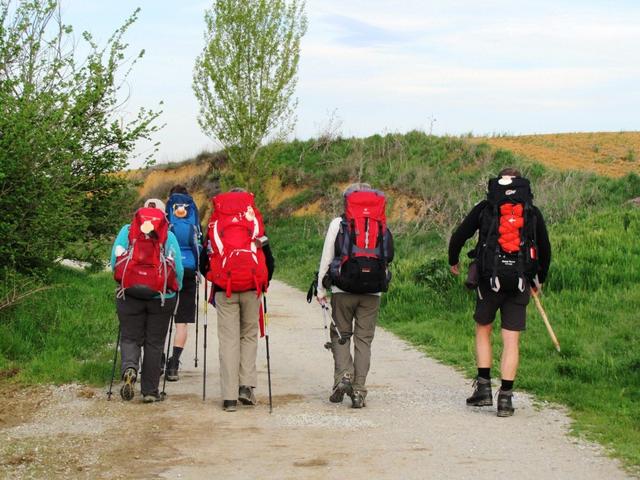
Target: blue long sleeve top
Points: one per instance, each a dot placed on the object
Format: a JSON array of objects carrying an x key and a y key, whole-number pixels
[{"x": 171, "y": 247}]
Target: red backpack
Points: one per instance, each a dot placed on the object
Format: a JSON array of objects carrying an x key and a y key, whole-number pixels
[
  {"x": 236, "y": 263},
  {"x": 143, "y": 270},
  {"x": 364, "y": 245}
]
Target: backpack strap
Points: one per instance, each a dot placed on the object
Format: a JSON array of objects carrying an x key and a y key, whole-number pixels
[{"x": 494, "y": 281}]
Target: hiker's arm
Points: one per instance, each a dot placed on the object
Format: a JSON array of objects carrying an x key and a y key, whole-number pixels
[
  {"x": 544, "y": 247},
  {"x": 268, "y": 256},
  {"x": 328, "y": 252},
  {"x": 122, "y": 240},
  {"x": 389, "y": 249},
  {"x": 464, "y": 232},
  {"x": 173, "y": 250}
]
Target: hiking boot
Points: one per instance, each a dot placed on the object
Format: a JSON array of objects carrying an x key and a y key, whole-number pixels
[
  {"x": 481, "y": 396},
  {"x": 343, "y": 386},
  {"x": 172, "y": 370},
  {"x": 151, "y": 398},
  {"x": 230, "y": 405},
  {"x": 129, "y": 377},
  {"x": 505, "y": 407},
  {"x": 357, "y": 400},
  {"x": 246, "y": 395}
]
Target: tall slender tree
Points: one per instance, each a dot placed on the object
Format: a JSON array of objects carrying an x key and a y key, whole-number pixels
[{"x": 246, "y": 75}]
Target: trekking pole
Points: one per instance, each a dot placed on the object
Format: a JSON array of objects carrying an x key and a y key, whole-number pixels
[
  {"x": 197, "y": 315},
  {"x": 204, "y": 367},
  {"x": 327, "y": 344},
  {"x": 163, "y": 394},
  {"x": 341, "y": 339},
  {"x": 266, "y": 338},
  {"x": 543, "y": 314},
  {"x": 113, "y": 369}
]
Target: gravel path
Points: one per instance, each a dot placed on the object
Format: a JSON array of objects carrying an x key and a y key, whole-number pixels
[{"x": 415, "y": 425}]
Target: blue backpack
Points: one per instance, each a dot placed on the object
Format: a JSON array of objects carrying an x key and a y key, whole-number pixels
[{"x": 185, "y": 225}]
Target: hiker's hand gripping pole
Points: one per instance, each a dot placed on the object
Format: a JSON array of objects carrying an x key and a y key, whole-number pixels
[{"x": 545, "y": 319}]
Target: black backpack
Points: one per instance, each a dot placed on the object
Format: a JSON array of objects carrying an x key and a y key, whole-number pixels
[{"x": 508, "y": 253}]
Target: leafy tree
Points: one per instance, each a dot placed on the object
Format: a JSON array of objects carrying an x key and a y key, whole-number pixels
[
  {"x": 245, "y": 77},
  {"x": 61, "y": 141}
]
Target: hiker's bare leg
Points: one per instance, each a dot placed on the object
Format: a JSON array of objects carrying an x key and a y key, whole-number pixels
[
  {"x": 510, "y": 354},
  {"x": 181, "y": 335},
  {"x": 483, "y": 345}
]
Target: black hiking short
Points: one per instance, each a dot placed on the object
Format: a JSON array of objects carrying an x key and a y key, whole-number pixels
[
  {"x": 187, "y": 307},
  {"x": 512, "y": 306}
]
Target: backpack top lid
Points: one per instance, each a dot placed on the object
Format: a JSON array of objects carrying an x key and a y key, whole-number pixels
[
  {"x": 237, "y": 207},
  {"x": 509, "y": 189},
  {"x": 149, "y": 223},
  {"x": 233, "y": 203},
  {"x": 182, "y": 207},
  {"x": 365, "y": 203}
]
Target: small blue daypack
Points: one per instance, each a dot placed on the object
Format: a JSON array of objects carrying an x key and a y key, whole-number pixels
[{"x": 185, "y": 225}]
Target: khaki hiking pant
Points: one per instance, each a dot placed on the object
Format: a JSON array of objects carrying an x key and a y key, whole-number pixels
[
  {"x": 353, "y": 314},
  {"x": 238, "y": 318}
]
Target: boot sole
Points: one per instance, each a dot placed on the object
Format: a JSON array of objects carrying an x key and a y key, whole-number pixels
[
  {"x": 127, "y": 391},
  {"x": 172, "y": 378},
  {"x": 481, "y": 403},
  {"x": 505, "y": 413},
  {"x": 247, "y": 401},
  {"x": 340, "y": 391}
]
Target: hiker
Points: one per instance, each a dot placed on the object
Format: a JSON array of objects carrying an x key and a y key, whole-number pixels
[
  {"x": 147, "y": 265},
  {"x": 240, "y": 266},
  {"x": 511, "y": 258},
  {"x": 184, "y": 221},
  {"x": 358, "y": 249}
]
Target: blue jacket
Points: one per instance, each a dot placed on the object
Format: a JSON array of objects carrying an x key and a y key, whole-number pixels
[{"x": 171, "y": 247}]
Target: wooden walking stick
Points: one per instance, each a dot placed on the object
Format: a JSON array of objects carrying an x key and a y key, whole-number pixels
[{"x": 543, "y": 314}]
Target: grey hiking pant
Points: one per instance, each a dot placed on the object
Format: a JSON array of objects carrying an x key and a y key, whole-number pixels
[
  {"x": 355, "y": 315},
  {"x": 238, "y": 318},
  {"x": 144, "y": 324}
]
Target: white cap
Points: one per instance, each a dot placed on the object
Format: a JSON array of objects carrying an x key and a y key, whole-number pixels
[{"x": 155, "y": 203}]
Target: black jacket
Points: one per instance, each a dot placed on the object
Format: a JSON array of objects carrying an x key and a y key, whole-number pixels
[{"x": 471, "y": 224}]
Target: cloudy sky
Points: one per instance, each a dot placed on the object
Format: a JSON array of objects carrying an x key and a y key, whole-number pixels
[{"x": 447, "y": 66}]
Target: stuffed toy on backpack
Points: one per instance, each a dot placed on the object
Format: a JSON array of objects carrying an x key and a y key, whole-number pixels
[
  {"x": 364, "y": 245},
  {"x": 237, "y": 262},
  {"x": 144, "y": 270},
  {"x": 184, "y": 221},
  {"x": 508, "y": 253}
]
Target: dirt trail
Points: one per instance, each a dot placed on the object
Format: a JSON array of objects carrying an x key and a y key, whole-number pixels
[{"x": 415, "y": 425}]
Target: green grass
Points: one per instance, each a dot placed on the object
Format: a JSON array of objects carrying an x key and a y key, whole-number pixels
[
  {"x": 64, "y": 334},
  {"x": 592, "y": 298}
]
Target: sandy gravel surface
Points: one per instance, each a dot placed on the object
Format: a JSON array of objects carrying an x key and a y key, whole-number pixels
[{"x": 415, "y": 425}]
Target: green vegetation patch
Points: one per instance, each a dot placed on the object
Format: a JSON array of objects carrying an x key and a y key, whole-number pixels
[{"x": 63, "y": 334}]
